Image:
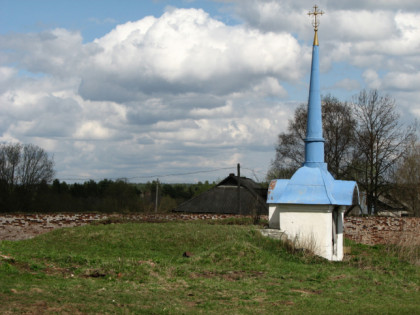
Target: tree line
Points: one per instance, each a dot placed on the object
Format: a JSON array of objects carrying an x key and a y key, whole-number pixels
[
  {"x": 27, "y": 184},
  {"x": 365, "y": 141},
  {"x": 107, "y": 196}
]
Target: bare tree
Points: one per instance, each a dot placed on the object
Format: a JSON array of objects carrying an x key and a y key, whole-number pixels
[
  {"x": 290, "y": 147},
  {"x": 36, "y": 166},
  {"x": 339, "y": 126},
  {"x": 25, "y": 165},
  {"x": 407, "y": 179},
  {"x": 9, "y": 161},
  {"x": 339, "y": 131},
  {"x": 381, "y": 142}
]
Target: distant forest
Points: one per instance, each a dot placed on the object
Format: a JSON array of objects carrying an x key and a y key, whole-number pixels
[{"x": 103, "y": 196}]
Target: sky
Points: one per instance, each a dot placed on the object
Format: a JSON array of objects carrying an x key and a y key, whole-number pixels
[{"x": 184, "y": 90}]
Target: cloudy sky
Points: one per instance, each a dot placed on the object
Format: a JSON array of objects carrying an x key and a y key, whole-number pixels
[{"x": 145, "y": 89}]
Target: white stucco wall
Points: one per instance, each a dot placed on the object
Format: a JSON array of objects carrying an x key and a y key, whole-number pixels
[{"x": 310, "y": 227}]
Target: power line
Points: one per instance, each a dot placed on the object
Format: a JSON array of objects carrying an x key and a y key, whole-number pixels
[
  {"x": 154, "y": 176},
  {"x": 183, "y": 174},
  {"x": 252, "y": 170}
]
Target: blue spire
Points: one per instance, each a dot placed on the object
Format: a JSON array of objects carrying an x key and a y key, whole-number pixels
[
  {"x": 312, "y": 183},
  {"x": 314, "y": 142}
]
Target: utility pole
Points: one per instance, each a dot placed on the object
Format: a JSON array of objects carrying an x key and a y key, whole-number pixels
[
  {"x": 157, "y": 195},
  {"x": 239, "y": 188}
]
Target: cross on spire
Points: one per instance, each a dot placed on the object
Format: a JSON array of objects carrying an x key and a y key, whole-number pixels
[{"x": 315, "y": 13}]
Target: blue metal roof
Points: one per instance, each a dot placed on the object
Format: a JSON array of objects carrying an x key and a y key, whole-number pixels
[{"x": 312, "y": 185}]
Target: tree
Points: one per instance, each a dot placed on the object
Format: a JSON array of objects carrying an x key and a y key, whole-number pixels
[
  {"x": 407, "y": 179},
  {"x": 36, "y": 166},
  {"x": 25, "y": 171},
  {"x": 339, "y": 133},
  {"x": 25, "y": 165},
  {"x": 339, "y": 128},
  {"x": 290, "y": 146},
  {"x": 382, "y": 141},
  {"x": 9, "y": 161}
]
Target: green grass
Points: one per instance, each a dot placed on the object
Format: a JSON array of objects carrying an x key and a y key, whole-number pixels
[{"x": 139, "y": 268}]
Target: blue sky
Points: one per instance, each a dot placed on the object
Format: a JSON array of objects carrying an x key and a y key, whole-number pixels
[
  {"x": 92, "y": 18},
  {"x": 144, "y": 89}
]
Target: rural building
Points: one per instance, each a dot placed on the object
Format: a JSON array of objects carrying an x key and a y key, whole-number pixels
[
  {"x": 233, "y": 195},
  {"x": 309, "y": 208},
  {"x": 387, "y": 206}
]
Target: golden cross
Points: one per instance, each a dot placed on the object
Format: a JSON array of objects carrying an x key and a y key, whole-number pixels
[{"x": 315, "y": 22}]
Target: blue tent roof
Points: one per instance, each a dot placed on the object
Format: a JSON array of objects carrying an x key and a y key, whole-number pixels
[{"x": 312, "y": 185}]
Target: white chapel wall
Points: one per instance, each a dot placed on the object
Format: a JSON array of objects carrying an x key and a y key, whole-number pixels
[{"x": 310, "y": 227}]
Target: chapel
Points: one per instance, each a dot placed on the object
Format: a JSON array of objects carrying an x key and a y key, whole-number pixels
[{"x": 309, "y": 208}]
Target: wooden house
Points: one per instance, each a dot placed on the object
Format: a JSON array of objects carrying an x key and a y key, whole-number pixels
[{"x": 232, "y": 195}]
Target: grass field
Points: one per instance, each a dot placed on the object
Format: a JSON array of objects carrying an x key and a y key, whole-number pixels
[{"x": 140, "y": 268}]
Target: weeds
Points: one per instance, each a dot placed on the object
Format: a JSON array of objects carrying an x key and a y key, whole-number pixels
[
  {"x": 406, "y": 248},
  {"x": 305, "y": 247}
]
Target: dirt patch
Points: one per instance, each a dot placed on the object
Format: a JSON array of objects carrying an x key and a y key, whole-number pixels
[
  {"x": 229, "y": 276},
  {"x": 306, "y": 292}
]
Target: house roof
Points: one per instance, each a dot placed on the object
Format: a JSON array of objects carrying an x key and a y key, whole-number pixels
[
  {"x": 223, "y": 198},
  {"x": 232, "y": 180}
]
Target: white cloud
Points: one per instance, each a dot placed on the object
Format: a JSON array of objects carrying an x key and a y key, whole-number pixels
[
  {"x": 92, "y": 130},
  {"x": 6, "y": 74},
  {"x": 56, "y": 52},
  {"x": 226, "y": 110},
  {"x": 148, "y": 93},
  {"x": 347, "y": 84},
  {"x": 186, "y": 51},
  {"x": 359, "y": 25},
  {"x": 372, "y": 79},
  {"x": 269, "y": 86},
  {"x": 402, "y": 81}
]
